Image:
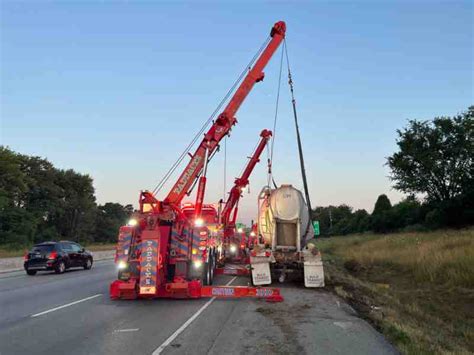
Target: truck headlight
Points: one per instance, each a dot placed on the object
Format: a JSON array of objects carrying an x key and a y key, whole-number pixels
[
  {"x": 199, "y": 222},
  {"x": 233, "y": 248},
  {"x": 197, "y": 264},
  {"x": 122, "y": 265}
]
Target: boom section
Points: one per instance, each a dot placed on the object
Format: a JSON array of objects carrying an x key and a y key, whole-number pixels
[
  {"x": 228, "y": 218},
  {"x": 223, "y": 124}
]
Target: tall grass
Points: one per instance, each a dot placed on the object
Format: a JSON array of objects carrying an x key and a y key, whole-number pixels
[
  {"x": 422, "y": 285},
  {"x": 443, "y": 257}
]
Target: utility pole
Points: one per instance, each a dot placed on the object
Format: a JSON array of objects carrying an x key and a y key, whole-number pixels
[{"x": 330, "y": 220}]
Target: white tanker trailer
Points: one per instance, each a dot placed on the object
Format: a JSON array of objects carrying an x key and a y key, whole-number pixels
[{"x": 284, "y": 228}]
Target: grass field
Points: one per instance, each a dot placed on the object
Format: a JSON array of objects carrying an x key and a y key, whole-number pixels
[
  {"x": 417, "y": 288},
  {"x": 9, "y": 253}
]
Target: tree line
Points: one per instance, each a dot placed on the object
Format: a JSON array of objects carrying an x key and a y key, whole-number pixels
[
  {"x": 433, "y": 167},
  {"x": 39, "y": 202}
]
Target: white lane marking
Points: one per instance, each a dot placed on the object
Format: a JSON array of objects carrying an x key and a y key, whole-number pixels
[
  {"x": 65, "y": 305},
  {"x": 126, "y": 330},
  {"x": 186, "y": 324}
]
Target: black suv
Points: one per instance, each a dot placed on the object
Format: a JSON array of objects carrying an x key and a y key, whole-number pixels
[{"x": 57, "y": 256}]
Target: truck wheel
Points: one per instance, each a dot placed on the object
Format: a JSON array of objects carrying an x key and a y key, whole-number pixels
[
  {"x": 206, "y": 274},
  {"x": 212, "y": 265}
]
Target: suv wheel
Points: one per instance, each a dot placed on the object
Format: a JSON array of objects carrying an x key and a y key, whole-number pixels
[
  {"x": 60, "y": 268},
  {"x": 31, "y": 272},
  {"x": 88, "y": 264}
]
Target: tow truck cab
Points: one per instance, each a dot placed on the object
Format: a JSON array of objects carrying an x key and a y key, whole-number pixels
[{"x": 207, "y": 242}]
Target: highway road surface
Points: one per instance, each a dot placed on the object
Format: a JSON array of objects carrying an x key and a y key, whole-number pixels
[{"x": 72, "y": 314}]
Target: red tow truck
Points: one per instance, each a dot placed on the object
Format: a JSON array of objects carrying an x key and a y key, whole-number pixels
[{"x": 168, "y": 249}]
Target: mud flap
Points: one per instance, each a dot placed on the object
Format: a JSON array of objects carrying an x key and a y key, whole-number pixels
[
  {"x": 314, "y": 272},
  {"x": 261, "y": 274}
]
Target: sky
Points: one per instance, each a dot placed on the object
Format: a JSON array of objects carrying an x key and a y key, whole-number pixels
[{"x": 117, "y": 89}]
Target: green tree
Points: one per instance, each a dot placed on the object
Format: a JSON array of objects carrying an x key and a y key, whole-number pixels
[
  {"x": 77, "y": 213},
  {"x": 360, "y": 221},
  {"x": 17, "y": 225},
  {"x": 381, "y": 217},
  {"x": 381, "y": 205},
  {"x": 43, "y": 196},
  {"x": 39, "y": 202},
  {"x": 335, "y": 216},
  {"x": 109, "y": 218},
  {"x": 12, "y": 178},
  {"x": 406, "y": 213},
  {"x": 435, "y": 158}
]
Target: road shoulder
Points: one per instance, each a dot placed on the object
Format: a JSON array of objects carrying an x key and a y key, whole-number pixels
[{"x": 308, "y": 322}]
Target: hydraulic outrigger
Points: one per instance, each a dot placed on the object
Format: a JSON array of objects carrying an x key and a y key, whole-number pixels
[{"x": 166, "y": 252}]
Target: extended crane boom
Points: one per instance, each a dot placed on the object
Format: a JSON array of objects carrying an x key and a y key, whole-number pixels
[
  {"x": 229, "y": 212},
  {"x": 166, "y": 250},
  {"x": 224, "y": 122}
]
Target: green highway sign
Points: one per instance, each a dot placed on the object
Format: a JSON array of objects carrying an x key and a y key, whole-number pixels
[
  {"x": 240, "y": 225},
  {"x": 316, "y": 227}
]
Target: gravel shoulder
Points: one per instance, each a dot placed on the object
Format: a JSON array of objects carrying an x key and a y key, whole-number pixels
[{"x": 309, "y": 321}]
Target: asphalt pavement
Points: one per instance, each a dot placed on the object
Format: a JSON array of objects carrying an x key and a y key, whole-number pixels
[{"x": 73, "y": 314}]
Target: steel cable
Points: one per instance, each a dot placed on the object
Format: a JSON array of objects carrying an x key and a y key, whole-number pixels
[
  {"x": 270, "y": 172},
  {"x": 166, "y": 177}
]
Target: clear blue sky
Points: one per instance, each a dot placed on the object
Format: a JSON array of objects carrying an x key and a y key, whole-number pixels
[{"x": 117, "y": 89}]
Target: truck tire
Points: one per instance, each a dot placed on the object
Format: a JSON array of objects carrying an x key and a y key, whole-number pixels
[
  {"x": 31, "y": 272},
  {"x": 212, "y": 265},
  {"x": 205, "y": 278}
]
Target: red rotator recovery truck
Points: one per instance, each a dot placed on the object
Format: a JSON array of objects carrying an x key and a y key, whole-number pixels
[{"x": 167, "y": 251}]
